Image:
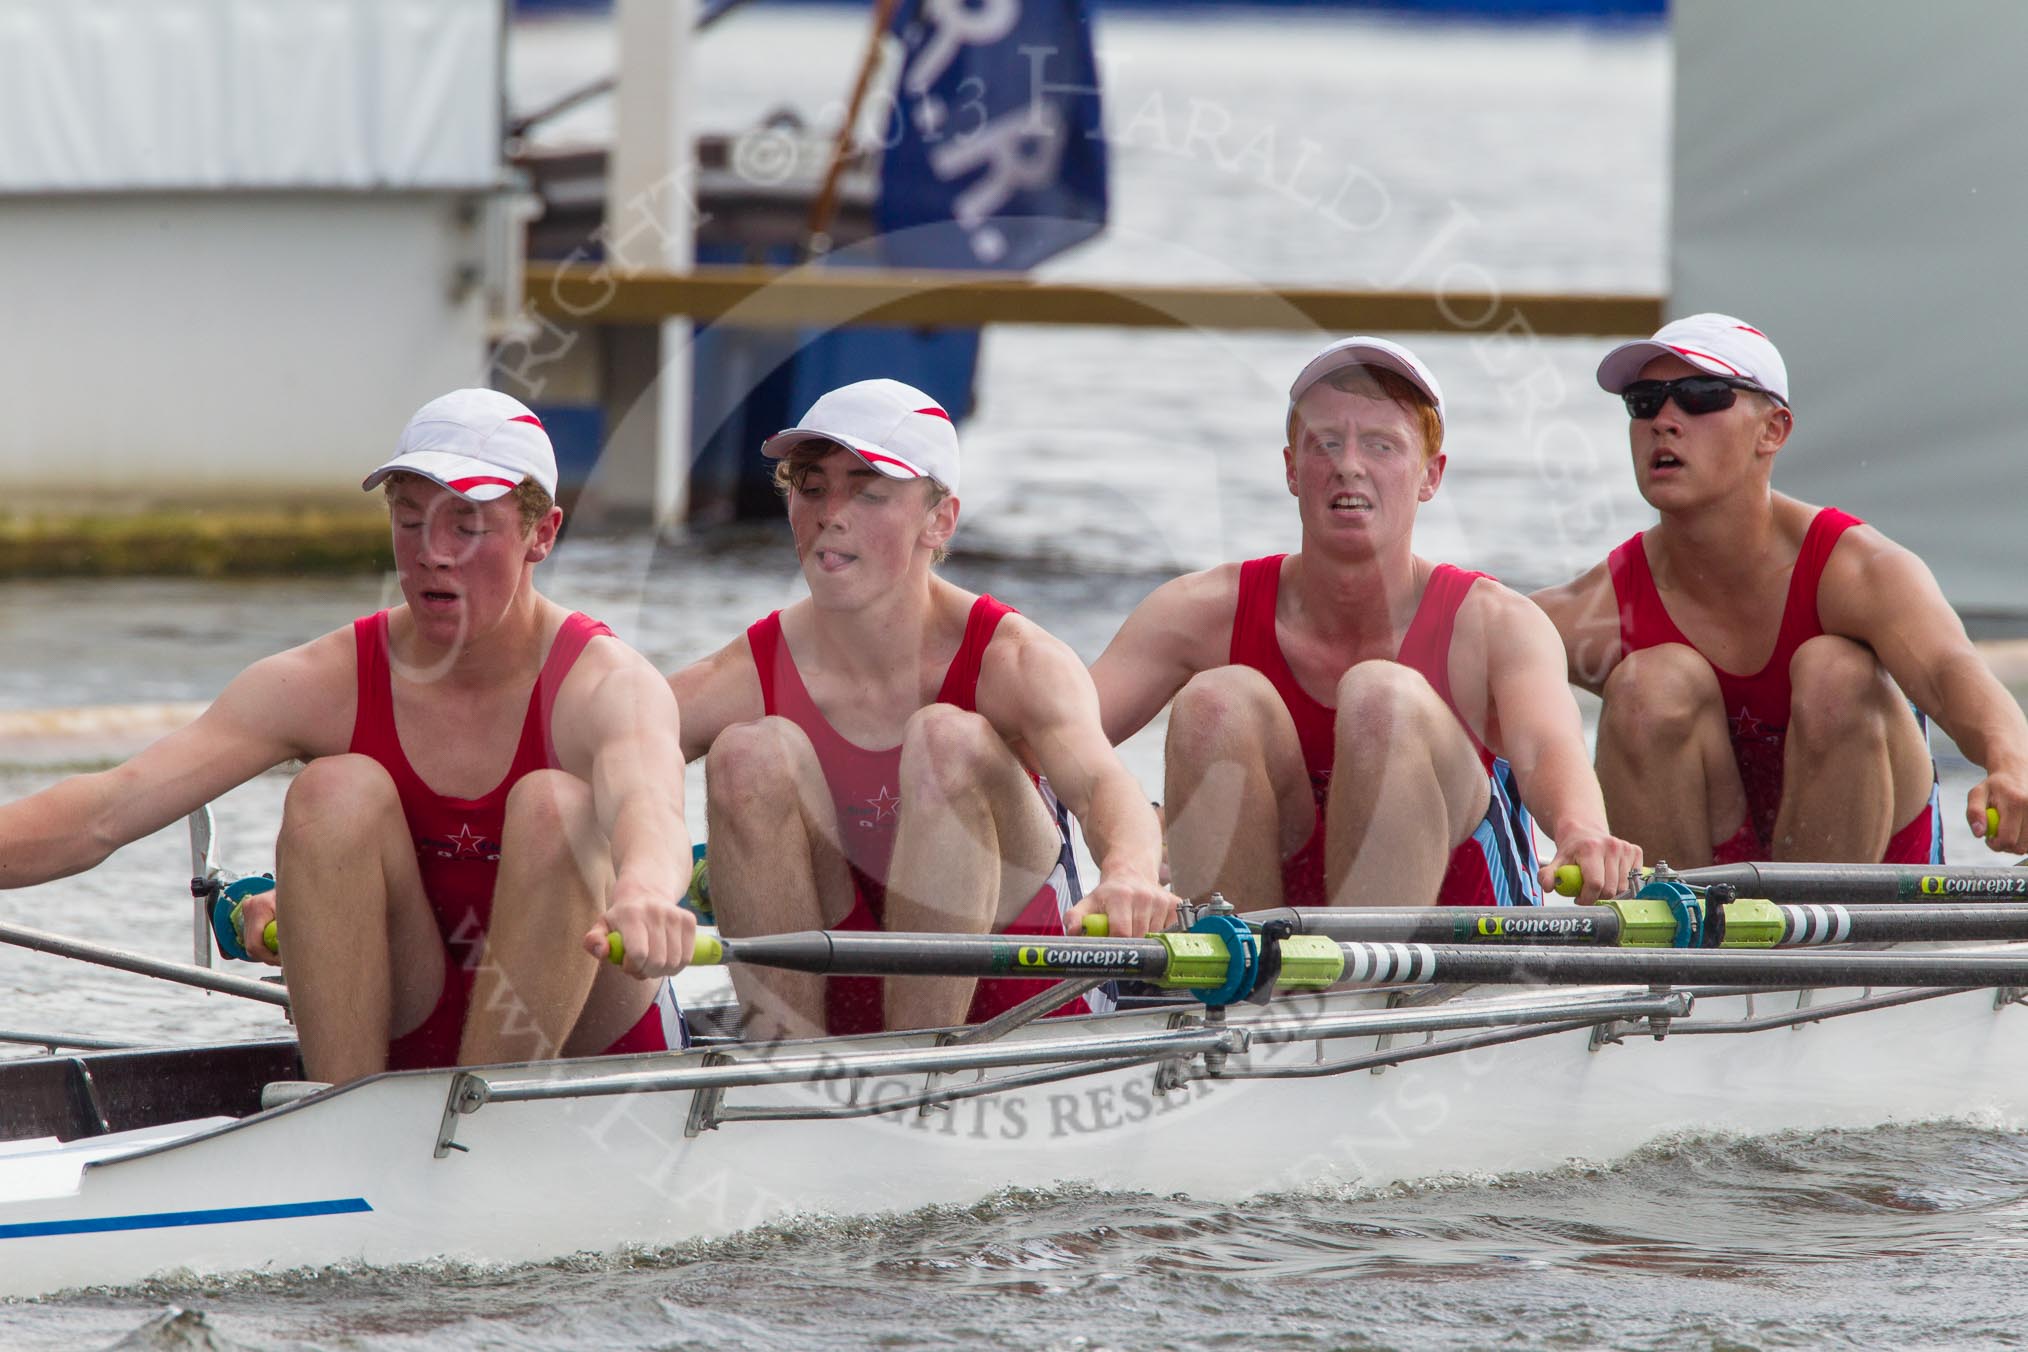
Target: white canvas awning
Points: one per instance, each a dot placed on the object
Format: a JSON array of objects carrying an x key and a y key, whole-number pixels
[{"x": 171, "y": 95}]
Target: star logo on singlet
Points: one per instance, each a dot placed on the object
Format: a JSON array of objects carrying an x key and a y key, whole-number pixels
[
  {"x": 885, "y": 804},
  {"x": 1747, "y": 728},
  {"x": 467, "y": 844}
]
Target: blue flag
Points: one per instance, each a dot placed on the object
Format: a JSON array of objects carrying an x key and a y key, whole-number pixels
[{"x": 996, "y": 152}]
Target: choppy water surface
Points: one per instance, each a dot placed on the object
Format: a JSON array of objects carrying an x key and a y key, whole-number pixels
[
  {"x": 1100, "y": 463},
  {"x": 1898, "y": 1237}
]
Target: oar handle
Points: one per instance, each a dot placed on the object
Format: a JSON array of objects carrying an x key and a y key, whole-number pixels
[
  {"x": 271, "y": 933},
  {"x": 1569, "y": 880},
  {"x": 706, "y": 952},
  {"x": 1097, "y": 927},
  {"x": 1992, "y": 823}
]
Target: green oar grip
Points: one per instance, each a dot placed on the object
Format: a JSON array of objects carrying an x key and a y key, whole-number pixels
[
  {"x": 1569, "y": 880},
  {"x": 1097, "y": 927},
  {"x": 707, "y": 952},
  {"x": 270, "y": 934},
  {"x": 1992, "y": 822}
]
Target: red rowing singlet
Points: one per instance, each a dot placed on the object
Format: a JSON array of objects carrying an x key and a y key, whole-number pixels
[
  {"x": 1756, "y": 706},
  {"x": 1495, "y": 865},
  {"x": 457, "y": 840},
  {"x": 865, "y": 793}
]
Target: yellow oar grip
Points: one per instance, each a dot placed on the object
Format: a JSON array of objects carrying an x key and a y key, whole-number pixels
[
  {"x": 1097, "y": 926},
  {"x": 708, "y": 951},
  {"x": 271, "y": 937},
  {"x": 1992, "y": 822},
  {"x": 1569, "y": 880}
]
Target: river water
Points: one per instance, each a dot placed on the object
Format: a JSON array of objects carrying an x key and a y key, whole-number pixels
[{"x": 1505, "y": 160}]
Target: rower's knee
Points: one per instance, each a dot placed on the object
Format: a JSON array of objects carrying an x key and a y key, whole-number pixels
[
  {"x": 947, "y": 752},
  {"x": 549, "y": 815},
  {"x": 1380, "y": 700},
  {"x": 1218, "y": 710},
  {"x": 338, "y": 801},
  {"x": 1837, "y": 689},
  {"x": 1658, "y": 696},
  {"x": 755, "y": 767}
]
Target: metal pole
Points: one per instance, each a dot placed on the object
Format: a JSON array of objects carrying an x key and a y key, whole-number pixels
[
  {"x": 824, "y": 209},
  {"x": 41, "y": 942}
]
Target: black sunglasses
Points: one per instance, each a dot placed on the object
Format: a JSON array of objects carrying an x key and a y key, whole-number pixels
[{"x": 1693, "y": 394}]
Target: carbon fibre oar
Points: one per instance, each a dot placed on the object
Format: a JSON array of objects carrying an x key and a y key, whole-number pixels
[
  {"x": 1198, "y": 961},
  {"x": 1174, "y": 961},
  {"x": 1395, "y": 964},
  {"x": 201, "y": 977},
  {"x": 1643, "y": 923},
  {"x": 1864, "y": 884},
  {"x": 1849, "y": 884}
]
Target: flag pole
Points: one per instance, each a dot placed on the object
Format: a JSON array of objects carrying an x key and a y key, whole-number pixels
[{"x": 824, "y": 209}]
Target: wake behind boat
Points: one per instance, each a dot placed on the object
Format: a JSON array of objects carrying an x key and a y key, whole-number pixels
[{"x": 119, "y": 1165}]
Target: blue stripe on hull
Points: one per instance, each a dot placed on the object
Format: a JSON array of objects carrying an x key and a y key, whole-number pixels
[{"x": 163, "y": 1220}]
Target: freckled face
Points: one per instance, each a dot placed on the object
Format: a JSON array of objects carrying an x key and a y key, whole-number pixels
[
  {"x": 857, "y": 531},
  {"x": 1356, "y": 468},
  {"x": 460, "y": 563}
]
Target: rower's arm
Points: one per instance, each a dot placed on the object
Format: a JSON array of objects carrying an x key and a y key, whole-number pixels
[
  {"x": 714, "y": 693},
  {"x": 254, "y": 725},
  {"x": 1182, "y": 627},
  {"x": 1585, "y": 611},
  {"x": 1542, "y": 737},
  {"x": 621, "y": 726},
  {"x": 1880, "y": 594},
  {"x": 1036, "y": 693}
]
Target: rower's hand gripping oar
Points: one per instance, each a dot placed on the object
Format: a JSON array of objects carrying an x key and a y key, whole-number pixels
[{"x": 228, "y": 920}]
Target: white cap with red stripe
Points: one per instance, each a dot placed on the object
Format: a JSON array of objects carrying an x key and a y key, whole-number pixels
[
  {"x": 1720, "y": 344},
  {"x": 480, "y": 444},
  {"x": 896, "y": 429}
]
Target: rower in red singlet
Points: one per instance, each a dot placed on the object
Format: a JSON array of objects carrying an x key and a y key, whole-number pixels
[
  {"x": 1493, "y": 866},
  {"x": 458, "y": 841},
  {"x": 486, "y": 792},
  {"x": 1753, "y": 651},
  {"x": 1353, "y": 724},
  {"x": 889, "y": 753}
]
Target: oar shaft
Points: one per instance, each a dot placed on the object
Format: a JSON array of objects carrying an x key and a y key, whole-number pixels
[
  {"x": 143, "y": 965},
  {"x": 1864, "y": 883},
  {"x": 980, "y": 955},
  {"x": 1576, "y": 926},
  {"x": 1602, "y": 926},
  {"x": 1808, "y": 925},
  {"x": 1390, "y": 964}
]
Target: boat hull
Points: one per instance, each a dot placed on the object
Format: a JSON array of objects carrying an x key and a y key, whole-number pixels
[{"x": 362, "y": 1175}]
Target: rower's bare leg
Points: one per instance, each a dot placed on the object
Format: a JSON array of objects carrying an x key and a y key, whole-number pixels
[
  {"x": 1855, "y": 769},
  {"x": 776, "y": 866},
  {"x": 1665, "y": 757},
  {"x": 975, "y": 844},
  {"x": 1407, "y": 788},
  {"x": 359, "y": 944},
  {"x": 537, "y": 994},
  {"x": 1237, "y": 796}
]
